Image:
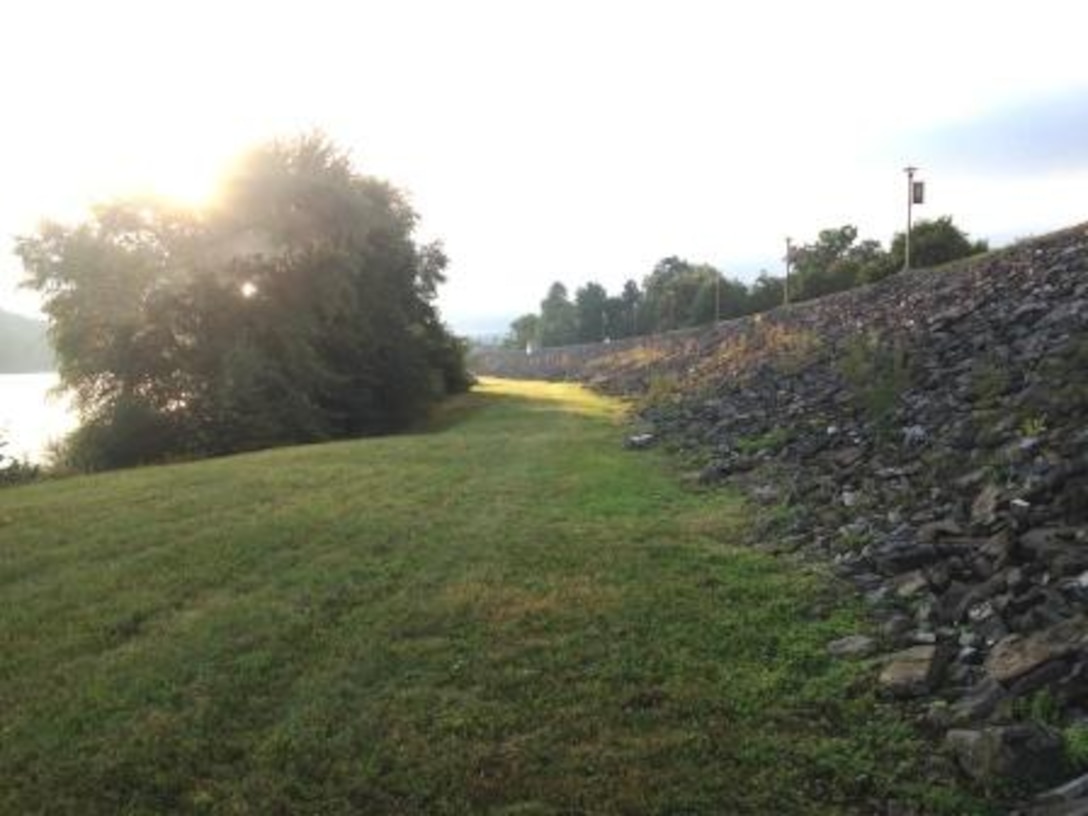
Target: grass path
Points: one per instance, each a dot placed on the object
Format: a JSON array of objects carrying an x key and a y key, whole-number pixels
[{"x": 511, "y": 616}]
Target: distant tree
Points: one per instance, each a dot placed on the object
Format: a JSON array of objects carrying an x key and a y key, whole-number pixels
[
  {"x": 933, "y": 243},
  {"x": 836, "y": 262},
  {"x": 679, "y": 294},
  {"x": 300, "y": 309},
  {"x": 558, "y": 318},
  {"x": 631, "y": 299},
  {"x": 718, "y": 298},
  {"x": 671, "y": 293},
  {"x": 765, "y": 293},
  {"x": 524, "y": 333},
  {"x": 590, "y": 303}
]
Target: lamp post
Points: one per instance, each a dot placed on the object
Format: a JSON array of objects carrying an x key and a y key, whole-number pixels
[{"x": 915, "y": 195}]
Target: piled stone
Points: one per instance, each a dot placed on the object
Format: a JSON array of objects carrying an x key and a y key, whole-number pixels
[{"x": 928, "y": 436}]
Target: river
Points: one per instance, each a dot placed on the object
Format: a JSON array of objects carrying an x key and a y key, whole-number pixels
[{"x": 30, "y": 418}]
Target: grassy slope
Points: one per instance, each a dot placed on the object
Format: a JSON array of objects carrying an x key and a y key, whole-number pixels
[{"x": 510, "y": 616}]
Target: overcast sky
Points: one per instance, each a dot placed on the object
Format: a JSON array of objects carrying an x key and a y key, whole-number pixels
[{"x": 565, "y": 140}]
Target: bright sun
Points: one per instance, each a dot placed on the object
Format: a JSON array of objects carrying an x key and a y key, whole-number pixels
[
  {"x": 184, "y": 168},
  {"x": 185, "y": 176}
]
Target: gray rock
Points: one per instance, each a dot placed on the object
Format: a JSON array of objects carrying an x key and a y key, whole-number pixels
[
  {"x": 639, "y": 441},
  {"x": 765, "y": 494},
  {"x": 984, "y": 507},
  {"x": 1016, "y": 655},
  {"x": 910, "y": 584},
  {"x": 852, "y": 646},
  {"x": 1019, "y": 753},
  {"x": 1069, "y": 791},
  {"x": 978, "y": 704},
  {"x": 911, "y": 672}
]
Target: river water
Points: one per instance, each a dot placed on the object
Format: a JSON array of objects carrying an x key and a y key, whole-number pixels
[{"x": 30, "y": 418}]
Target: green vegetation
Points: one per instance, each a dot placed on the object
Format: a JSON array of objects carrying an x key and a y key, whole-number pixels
[
  {"x": 989, "y": 381},
  {"x": 679, "y": 294},
  {"x": 772, "y": 440},
  {"x": 878, "y": 372},
  {"x": 299, "y": 308},
  {"x": 15, "y": 471},
  {"x": 1075, "y": 738},
  {"x": 511, "y": 615}
]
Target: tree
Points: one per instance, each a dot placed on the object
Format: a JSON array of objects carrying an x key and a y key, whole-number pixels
[
  {"x": 524, "y": 333},
  {"x": 590, "y": 302},
  {"x": 558, "y": 318},
  {"x": 669, "y": 293},
  {"x": 933, "y": 243},
  {"x": 630, "y": 309},
  {"x": 300, "y": 309},
  {"x": 836, "y": 262},
  {"x": 765, "y": 293},
  {"x": 680, "y": 294}
]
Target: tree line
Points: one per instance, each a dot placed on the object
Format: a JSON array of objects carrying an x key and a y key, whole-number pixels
[
  {"x": 679, "y": 294},
  {"x": 297, "y": 309}
]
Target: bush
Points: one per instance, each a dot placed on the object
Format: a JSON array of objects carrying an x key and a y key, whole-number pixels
[
  {"x": 125, "y": 434},
  {"x": 16, "y": 471}
]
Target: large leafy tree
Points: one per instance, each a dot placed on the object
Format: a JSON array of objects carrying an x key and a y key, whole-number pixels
[
  {"x": 524, "y": 333},
  {"x": 558, "y": 318},
  {"x": 933, "y": 243},
  {"x": 836, "y": 261},
  {"x": 591, "y": 306},
  {"x": 298, "y": 309},
  {"x": 680, "y": 294}
]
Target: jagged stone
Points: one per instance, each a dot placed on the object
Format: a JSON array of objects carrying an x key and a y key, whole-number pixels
[
  {"x": 1016, "y": 655},
  {"x": 984, "y": 507},
  {"x": 910, "y": 584},
  {"x": 911, "y": 672},
  {"x": 1010, "y": 753},
  {"x": 1070, "y": 797},
  {"x": 852, "y": 646},
  {"x": 978, "y": 704},
  {"x": 639, "y": 441}
]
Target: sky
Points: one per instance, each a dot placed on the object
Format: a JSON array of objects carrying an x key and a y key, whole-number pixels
[{"x": 557, "y": 140}]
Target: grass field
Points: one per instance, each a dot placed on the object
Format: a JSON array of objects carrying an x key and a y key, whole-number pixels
[{"x": 510, "y": 615}]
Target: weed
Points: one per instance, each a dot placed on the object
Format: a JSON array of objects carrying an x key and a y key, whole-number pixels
[
  {"x": 663, "y": 388},
  {"x": 1075, "y": 738},
  {"x": 879, "y": 373},
  {"x": 1034, "y": 425},
  {"x": 1040, "y": 708},
  {"x": 16, "y": 471},
  {"x": 772, "y": 440},
  {"x": 989, "y": 381}
]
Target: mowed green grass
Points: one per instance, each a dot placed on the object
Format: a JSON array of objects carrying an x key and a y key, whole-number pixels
[{"x": 511, "y": 615}]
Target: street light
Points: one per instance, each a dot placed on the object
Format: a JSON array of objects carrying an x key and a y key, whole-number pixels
[{"x": 915, "y": 195}]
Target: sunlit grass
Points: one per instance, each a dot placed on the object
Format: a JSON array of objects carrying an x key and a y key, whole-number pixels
[{"x": 509, "y": 615}]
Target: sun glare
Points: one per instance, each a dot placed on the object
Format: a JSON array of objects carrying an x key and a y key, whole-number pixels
[
  {"x": 189, "y": 180},
  {"x": 183, "y": 171}
]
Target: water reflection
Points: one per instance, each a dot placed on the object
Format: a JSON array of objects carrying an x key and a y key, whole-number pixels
[{"x": 30, "y": 417}]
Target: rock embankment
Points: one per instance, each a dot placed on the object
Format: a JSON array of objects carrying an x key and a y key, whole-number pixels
[{"x": 928, "y": 436}]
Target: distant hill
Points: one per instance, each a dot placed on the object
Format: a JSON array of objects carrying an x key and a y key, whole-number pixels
[{"x": 24, "y": 346}]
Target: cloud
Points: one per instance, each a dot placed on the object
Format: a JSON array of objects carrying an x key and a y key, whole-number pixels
[{"x": 1041, "y": 135}]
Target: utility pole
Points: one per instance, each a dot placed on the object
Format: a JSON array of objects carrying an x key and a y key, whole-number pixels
[
  {"x": 717, "y": 296},
  {"x": 915, "y": 195}
]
